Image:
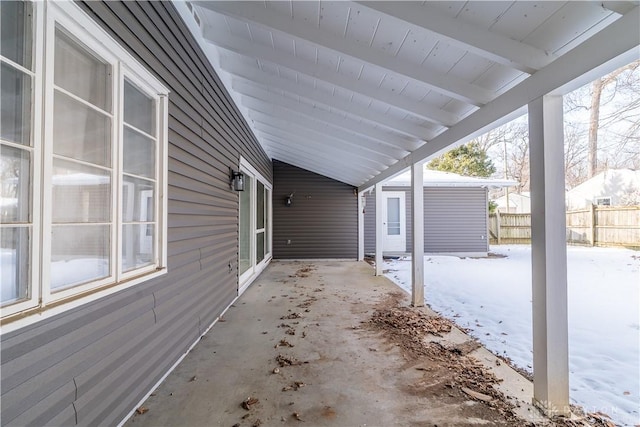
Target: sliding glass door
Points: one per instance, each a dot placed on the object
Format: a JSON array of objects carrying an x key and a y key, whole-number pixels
[{"x": 254, "y": 246}]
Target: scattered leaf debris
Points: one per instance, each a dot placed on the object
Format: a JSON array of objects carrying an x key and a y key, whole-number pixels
[
  {"x": 249, "y": 402},
  {"x": 294, "y": 386},
  {"x": 283, "y": 343},
  {"x": 306, "y": 303},
  {"x": 292, "y": 316},
  {"x": 452, "y": 365},
  {"x": 296, "y": 416},
  {"x": 287, "y": 360}
]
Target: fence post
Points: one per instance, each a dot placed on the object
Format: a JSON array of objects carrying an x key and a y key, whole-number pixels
[
  {"x": 498, "y": 225},
  {"x": 593, "y": 216}
]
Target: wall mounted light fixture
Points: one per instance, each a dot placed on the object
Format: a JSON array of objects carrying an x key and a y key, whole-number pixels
[
  {"x": 288, "y": 200},
  {"x": 237, "y": 181}
]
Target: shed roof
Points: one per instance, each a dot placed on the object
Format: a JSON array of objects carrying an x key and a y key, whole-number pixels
[
  {"x": 358, "y": 91},
  {"x": 433, "y": 178}
]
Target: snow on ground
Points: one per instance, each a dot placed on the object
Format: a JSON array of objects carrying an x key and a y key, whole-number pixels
[{"x": 492, "y": 298}]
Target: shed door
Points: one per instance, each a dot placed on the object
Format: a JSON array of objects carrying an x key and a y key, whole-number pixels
[{"x": 394, "y": 219}]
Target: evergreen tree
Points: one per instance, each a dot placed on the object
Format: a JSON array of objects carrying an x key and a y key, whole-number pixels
[{"x": 467, "y": 160}]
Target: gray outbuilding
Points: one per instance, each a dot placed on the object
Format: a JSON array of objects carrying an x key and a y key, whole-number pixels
[{"x": 455, "y": 214}]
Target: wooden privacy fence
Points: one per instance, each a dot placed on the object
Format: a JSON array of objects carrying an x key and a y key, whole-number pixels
[{"x": 594, "y": 226}]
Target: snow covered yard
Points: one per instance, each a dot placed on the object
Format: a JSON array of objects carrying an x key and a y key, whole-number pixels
[{"x": 492, "y": 298}]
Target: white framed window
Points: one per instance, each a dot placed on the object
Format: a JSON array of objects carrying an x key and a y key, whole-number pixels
[
  {"x": 603, "y": 201},
  {"x": 254, "y": 244},
  {"x": 84, "y": 166}
]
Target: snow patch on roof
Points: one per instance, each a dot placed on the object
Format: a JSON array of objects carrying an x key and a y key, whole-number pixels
[{"x": 433, "y": 178}]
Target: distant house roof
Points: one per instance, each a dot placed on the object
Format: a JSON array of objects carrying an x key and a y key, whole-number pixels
[
  {"x": 615, "y": 178},
  {"x": 433, "y": 178},
  {"x": 621, "y": 185}
]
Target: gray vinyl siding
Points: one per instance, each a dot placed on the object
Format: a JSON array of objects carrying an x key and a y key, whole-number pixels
[
  {"x": 322, "y": 221},
  {"x": 92, "y": 364},
  {"x": 455, "y": 220}
]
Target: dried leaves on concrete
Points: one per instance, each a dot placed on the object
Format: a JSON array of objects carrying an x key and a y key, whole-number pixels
[
  {"x": 409, "y": 328},
  {"x": 287, "y": 360},
  {"x": 249, "y": 402}
]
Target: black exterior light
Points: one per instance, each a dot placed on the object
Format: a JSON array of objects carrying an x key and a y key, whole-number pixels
[
  {"x": 288, "y": 200},
  {"x": 237, "y": 181}
]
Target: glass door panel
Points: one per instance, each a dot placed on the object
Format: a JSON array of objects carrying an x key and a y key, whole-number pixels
[{"x": 393, "y": 216}]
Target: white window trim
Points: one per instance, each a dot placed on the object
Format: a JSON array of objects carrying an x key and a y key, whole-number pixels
[
  {"x": 249, "y": 276},
  {"x": 36, "y": 159},
  {"x": 77, "y": 22}
]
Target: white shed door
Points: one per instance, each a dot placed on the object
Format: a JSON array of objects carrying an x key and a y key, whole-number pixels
[{"x": 394, "y": 219}]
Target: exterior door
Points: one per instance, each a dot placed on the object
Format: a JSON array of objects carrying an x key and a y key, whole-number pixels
[
  {"x": 254, "y": 246},
  {"x": 394, "y": 220}
]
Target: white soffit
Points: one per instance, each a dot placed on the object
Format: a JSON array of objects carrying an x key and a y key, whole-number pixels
[{"x": 358, "y": 91}]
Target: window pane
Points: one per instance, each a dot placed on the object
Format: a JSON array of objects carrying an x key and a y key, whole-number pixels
[
  {"x": 15, "y": 198},
  {"x": 79, "y": 254},
  {"x": 137, "y": 200},
  {"x": 80, "y": 72},
  {"x": 79, "y": 132},
  {"x": 259, "y": 247},
  {"x": 15, "y": 106},
  {"x": 139, "y": 109},
  {"x": 15, "y": 27},
  {"x": 260, "y": 206},
  {"x": 245, "y": 226},
  {"x": 137, "y": 246},
  {"x": 14, "y": 263},
  {"x": 80, "y": 193},
  {"x": 393, "y": 216},
  {"x": 139, "y": 154}
]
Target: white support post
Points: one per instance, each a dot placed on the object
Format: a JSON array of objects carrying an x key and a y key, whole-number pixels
[
  {"x": 417, "y": 224},
  {"x": 549, "y": 256},
  {"x": 379, "y": 229},
  {"x": 361, "y": 207}
]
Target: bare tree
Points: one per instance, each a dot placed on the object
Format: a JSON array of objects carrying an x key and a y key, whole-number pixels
[{"x": 597, "y": 88}]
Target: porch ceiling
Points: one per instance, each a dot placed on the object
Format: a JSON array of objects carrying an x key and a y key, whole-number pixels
[{"x": 357, "y": 91}]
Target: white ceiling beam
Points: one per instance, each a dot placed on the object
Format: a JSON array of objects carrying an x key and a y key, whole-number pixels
[
  {"x": 375, "y": 161},
  {"x": 480, "y": 41},
  {"x": 308, "y": 125},
  {"x": 276, "y": 126},
  {"x": 325, "y": 142},
  {"x": 316, "y": 154},
  {"x": 609, "y": 49},
  {"x": 255, "y": 51},
  {"x": 259, "y": 100},
  {"x": 269, "y": 19},
  {"x": 269, "y": 81}
]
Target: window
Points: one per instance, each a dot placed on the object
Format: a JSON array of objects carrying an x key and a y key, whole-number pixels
[
  {"x": 83, "y": 167},
  {"x": 603, "y": 201}
]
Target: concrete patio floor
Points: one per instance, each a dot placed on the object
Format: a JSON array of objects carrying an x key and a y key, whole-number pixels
[{"x": 349, "y": 375}]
